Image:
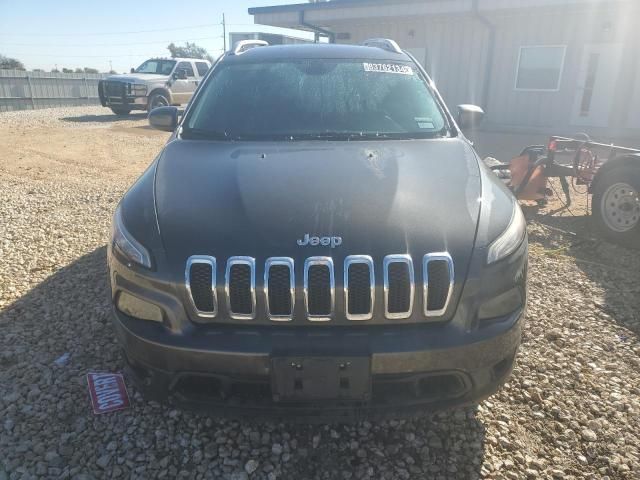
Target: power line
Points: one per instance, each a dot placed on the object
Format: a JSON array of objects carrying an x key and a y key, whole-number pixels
[
  {"x": 104, "y": 44},
  {"x": 76, "y": 34},
  {"x": 97, "y": 56}
]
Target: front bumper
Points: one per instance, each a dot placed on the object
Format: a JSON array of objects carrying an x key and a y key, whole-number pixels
[
  {"x": 229, "y": 369},
  {"x": 227, "y": 366}
]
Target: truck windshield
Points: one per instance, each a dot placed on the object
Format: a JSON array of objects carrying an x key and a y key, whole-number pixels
[
  {"x": 163, "y": 67},
  {"x": 315, "y": 99}
]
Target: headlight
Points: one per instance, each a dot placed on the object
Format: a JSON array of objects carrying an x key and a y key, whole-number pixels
[
  {"x": 138, "y": 89},
  {"x": 125, "y": 244},
  {"x": 510, "y": 239}
]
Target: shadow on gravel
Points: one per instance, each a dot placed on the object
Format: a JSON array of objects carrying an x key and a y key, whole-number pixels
[
  {"x": 45, "y": 405},
  {"x": 106, "y": 118},
  {"x": 615, "y": 269}
]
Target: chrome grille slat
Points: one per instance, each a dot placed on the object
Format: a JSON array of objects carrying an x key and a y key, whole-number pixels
[
  {"x": 309, "y": 264},
  {"x": 389, "y": 287},
  {"x": 279, "y": 316},
  {"x": 319, "y": 287},
  {"x": 352, "y": 294},
  {"x": 234, "y": 289},
  {"x": 204, "y": 260},
  {"x": 430, "y": 259}
]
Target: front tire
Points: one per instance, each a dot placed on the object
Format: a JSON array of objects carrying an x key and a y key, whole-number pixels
[
  {"x": 121, "y": 110},
  {"x": 616, "y": 205},
  {"x": 157, "y": 100}
]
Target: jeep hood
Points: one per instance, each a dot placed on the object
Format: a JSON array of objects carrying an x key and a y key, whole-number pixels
[
  {"x": 138, "y": 77},
  {"x": 257, "y": 199}
]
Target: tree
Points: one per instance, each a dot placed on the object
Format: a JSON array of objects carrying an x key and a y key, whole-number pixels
[
  {"x": 78, "y": 70},
  {"x": 90, "y": 70},
  {"x": 55, "y": 70},
  {"x": 67, "y": 70},
  {"x": 7, "y": 63},
  {"x": 190, "y": 50}
]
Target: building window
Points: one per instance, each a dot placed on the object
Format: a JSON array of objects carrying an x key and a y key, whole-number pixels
[{"x": 540, "y": 67}]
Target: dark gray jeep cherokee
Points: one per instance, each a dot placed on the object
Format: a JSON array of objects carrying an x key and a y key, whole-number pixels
[{"x": 318, "y": 237}]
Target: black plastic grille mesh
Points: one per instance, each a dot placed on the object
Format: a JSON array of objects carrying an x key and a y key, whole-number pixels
[
  {"x": 200, "y": 284},
  {"x": 399, "y": 288},
  {"x": 359, "y": 289},
  {"x": 240, "y": 289},
  {"x": 438, "y": 275},
  {"x": 279, "y": 290},
  {"x": 319, "y": 290},
  {"x": 114, "y": 89}
]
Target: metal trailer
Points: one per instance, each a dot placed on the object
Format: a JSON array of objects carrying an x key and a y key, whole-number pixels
[{"x": 610, "y": 172}]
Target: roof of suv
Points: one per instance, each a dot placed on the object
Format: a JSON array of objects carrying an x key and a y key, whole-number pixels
[{"x": 317, "y": 50}]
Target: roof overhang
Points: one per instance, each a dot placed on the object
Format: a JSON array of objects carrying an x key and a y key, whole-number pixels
[{"x": 326, "y": 14}]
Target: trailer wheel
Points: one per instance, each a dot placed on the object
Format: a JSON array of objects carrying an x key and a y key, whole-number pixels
[
  {"x": 121, "y": 110},
  {"x": 616, "y": 205}
]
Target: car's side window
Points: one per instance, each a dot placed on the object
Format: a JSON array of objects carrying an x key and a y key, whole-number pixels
[
  {"x": 202, "y": 68},
  {"x": 186, "y": 66}
]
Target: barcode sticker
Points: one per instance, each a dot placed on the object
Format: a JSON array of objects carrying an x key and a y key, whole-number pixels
[{"x": 388, "y": 68}]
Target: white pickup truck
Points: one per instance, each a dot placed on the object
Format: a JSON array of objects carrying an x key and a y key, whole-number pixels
[{"x": 158, "y": 82}]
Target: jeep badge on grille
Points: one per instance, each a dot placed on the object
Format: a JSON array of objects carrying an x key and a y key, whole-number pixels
[{"x": 324, "y": 241}]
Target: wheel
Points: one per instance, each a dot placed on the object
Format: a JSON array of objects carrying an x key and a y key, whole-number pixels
[
  {"x": 157, "y": 100},
  {"x": 616, "y": 205},
  {"x": 121, "y": 110}
]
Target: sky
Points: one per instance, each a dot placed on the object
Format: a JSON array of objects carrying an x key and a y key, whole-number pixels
[{"x": 115, "y": 33}]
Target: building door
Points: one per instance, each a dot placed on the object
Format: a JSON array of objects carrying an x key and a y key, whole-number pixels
[{"x": 597, "y": 77}]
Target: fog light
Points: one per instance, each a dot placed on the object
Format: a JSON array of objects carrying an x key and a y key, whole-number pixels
[
  {"x": 502, "y": 305},
  {"x": 137, "y": 308}
]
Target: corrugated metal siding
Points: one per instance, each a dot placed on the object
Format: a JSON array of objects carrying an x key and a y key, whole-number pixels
[
  {"x": 457, "y": 52},
  {"x": 20, "y": 90}
]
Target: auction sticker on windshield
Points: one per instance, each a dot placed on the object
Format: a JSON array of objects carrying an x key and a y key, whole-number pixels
[
  {"x": 108, "y": 392},
  {"x": 388, "y": 68}
]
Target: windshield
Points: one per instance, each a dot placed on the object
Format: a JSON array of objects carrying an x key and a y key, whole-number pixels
[
  {"x": 163, "y": 67},
  {"x": 333, "y": 99}
]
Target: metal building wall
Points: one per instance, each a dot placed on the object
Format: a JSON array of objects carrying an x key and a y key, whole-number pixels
[{"x": 21, "y": 90}]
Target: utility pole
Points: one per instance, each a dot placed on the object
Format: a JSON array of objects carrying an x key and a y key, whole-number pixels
[{"x": 224, "y": 33}]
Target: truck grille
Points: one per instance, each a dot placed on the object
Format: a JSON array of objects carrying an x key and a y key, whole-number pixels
[
  {"x": 359, "y": 282},
  {"x": 114, "y": 89}
]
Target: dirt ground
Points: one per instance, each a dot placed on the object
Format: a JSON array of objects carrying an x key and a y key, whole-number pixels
[{"x": 571, "y": 409}]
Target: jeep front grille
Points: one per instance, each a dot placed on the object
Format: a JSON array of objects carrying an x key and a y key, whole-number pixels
[
  {"x": 359, "y": 287},
  {"x": 319, "y": 288},
  {"x": 240, "y": 286},
  {"x": 277, "y": 301},
  {"x": 201, "y": 284},
  {"x": 398, "y": 286},
  {"x": 437, "y": 271},
  {"x": 279, "y": 288}
]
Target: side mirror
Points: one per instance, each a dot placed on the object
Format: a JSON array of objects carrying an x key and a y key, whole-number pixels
[
  {"x": 469, "y": 116},
  {"x": 133, "y": 70},
  {"x": 180, "y": 74},
  {"x": 164, "y": 118}
]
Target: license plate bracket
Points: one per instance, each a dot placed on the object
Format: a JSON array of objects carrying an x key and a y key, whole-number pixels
[{"x": 320, "y": 378}]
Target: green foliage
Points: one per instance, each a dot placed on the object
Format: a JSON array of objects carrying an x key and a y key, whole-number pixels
[
  {"x": 7, "y": 63},
  {"x": 90, "y": 70},
  {"x": 67, "y": 70},
  {"x": 190, "y": 50}
]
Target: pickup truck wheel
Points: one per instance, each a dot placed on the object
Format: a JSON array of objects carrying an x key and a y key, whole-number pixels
[
  {"x": 616, "y": 205},
  {"x": 157, "y": 100},
  {"x": 121, "y": 110}
]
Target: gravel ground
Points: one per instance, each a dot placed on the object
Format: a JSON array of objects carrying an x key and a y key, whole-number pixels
[{"x": 571, "y": 409}]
